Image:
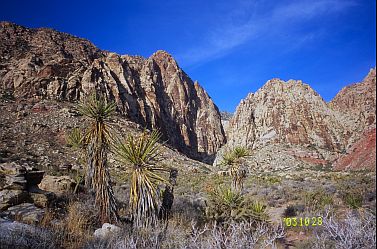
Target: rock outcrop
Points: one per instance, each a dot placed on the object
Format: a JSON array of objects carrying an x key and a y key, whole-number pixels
[
  {"x": 356, "y": 105},
  {"x": 20, "y": 195},
  {"x": 154, "y": 91},
  {"x": 287, "y": 122},
  {"x": 289, "y": 113},
  {"x": 361, "y": 155}
]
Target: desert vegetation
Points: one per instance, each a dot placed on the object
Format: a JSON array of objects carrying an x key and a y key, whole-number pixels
[
  {"x": 210, "y": 210},
  {"x": 97, "y": 140}
]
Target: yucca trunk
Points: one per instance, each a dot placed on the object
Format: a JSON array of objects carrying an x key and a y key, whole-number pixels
[
  {"x": 143, "y": 201},
  {"x": 97, "y": 178}
]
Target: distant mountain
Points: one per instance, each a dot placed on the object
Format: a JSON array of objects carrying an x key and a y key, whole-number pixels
[
  {"x": 154, "y": 92},
  {"x": 288, "y": 123},
  {"x": 226, "y": 115}
]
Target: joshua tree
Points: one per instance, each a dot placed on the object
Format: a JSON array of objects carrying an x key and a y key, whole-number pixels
[
  {"x": 141, "y": 154},
  {"x": 98, "y": 140},
  {"x": 238, "y": 170}
]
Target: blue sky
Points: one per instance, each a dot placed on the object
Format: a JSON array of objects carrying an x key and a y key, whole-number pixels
[{"x": 232, "y": 47}]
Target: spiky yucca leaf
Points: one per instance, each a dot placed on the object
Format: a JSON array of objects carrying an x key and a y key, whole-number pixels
[
  {"x": 141, "y": 154},
  {"x": 98, "y": 139},
  {"x": 232, "y": 157},
  {"x": 240, "y": 151},
  {"x": 140, "y": 151},
  {"x": 228, "y": 159},
  {"x": 96, "y": 107},
  {"x": 75, "y": 138},
  {"x": 227, "y": 205}
]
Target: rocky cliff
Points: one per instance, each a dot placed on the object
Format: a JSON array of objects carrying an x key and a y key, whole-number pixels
[
  {"x": 154, "y": 91},
  {"x": 285, "y": 122},
  {"x": 356, "y": 105},
  {"x": 290, "y": 113}
]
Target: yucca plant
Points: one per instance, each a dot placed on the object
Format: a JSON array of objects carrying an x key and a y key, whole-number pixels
[
  {"x": 75, "y": 138},
  {"x": 227, "y": 206},
  {"x": 258, "y": 211},
  {"x": 240, "y": 151},
  {"x": 238, "y": 171},
  {"x": 353, "y": 200},
  {"x": 228, "y": 159},
  {"x": 140, "y": 155},
  {"x": 98, "y": 140}
]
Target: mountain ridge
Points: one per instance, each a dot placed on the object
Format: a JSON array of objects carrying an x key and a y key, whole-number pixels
[
  {"x": 290, "y": 117},
  {"x": 154, "y": 92}
]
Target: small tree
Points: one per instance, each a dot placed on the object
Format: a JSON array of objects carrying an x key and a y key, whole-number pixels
[
  {"x": 98, "y": 140},
  {"x": 238, "y": 170},
  {"x": 141, "y": 154}
]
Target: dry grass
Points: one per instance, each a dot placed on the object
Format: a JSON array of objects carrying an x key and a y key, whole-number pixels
[{"x": 77, "y": 226}]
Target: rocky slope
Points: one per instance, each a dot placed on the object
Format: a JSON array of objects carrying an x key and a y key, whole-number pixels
[
  {"x": 154, "y": 91},
  {"x": 361, "y": 155},
  {"x": 289, "y": 124},
  {"x": 356, "y": 104}
]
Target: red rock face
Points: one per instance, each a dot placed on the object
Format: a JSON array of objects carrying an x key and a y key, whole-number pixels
[
  {"x": 362, "y": 154},
  {"x": 356, "y": 104},
  {"x": 153, "y": 92}
]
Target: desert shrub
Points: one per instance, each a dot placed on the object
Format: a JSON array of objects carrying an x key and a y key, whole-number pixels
[
  {"x": 269, "y": 180},
  {"x": 189, "y": 208},
  {"x": 236, "y": 235},
  {"x": 75, "y": 138},
  {"x": 318, "y": 200},
  {"x": 21, "y": 236},
  {"x": 356, "y": 230},
  {"x": 290, "y": 211},
  {"x": 352, "y": 193},
  {"x": 74, "y": 228},
  {"x": 7, "y": 95},
  {"x": 353, "y": 200},
  {"x": 226, "y": 206}
]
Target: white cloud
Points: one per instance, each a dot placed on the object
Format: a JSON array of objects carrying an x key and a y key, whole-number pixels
[{"x": 248, "y": 22}]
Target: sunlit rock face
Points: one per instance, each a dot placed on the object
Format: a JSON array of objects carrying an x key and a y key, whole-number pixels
[
  {"x": 154, "y": 91},
  {"x": 286, "y": 112},
  {"x": 292, "y": 120},
  {"x": 356, "y": 105}
]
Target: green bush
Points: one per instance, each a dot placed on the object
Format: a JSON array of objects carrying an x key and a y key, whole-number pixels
[
  {"x": 353, "y": 200},
  {"x": 318, "y": 200}
]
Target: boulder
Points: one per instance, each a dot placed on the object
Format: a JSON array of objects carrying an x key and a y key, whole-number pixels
[
  {"x": 12, "y": 168},
  {"x": 9, "y": 197},
  {"x": 106, "y": 230},
  {"x": 26, "y": 212},
  {"x": 42, "y": 200},
  {"x": 57, "y": 184}
]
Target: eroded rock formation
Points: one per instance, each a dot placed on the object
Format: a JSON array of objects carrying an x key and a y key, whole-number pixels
[
  {"x": 292, "y": 120},
  {"x": 154, "y": 91}
]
